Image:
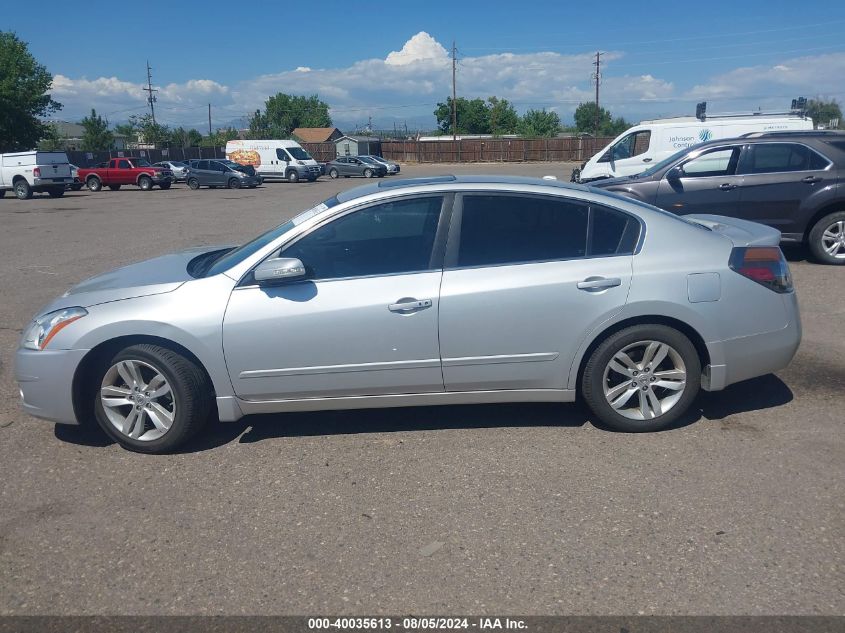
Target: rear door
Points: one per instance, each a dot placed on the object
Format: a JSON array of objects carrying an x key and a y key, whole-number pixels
[
  {"x": 778, "y": 179},
  {"x": 202, "y": 173},
  {"x": 526, "y": 278},
  {"x": 708, "y": 183}
]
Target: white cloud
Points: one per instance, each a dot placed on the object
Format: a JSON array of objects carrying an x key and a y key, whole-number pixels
[{"x": 420, "y": 48}]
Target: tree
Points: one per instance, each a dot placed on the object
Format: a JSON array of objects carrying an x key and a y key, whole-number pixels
[
  {"x": 96, "y": 136},
  {"x": 180, "y": 137},
  {"x": 220, "y": 137},
  {"x": 473, "y": 116},
  {"x": 150, "y": 131},
  {"x": 539, "y": 123},
  {"x": 283, "y": 113},
  {"x": 129, "y": 131},
  {"x": 24, "y": 86},
  {"x": 503, "y": 116},
  {"x": 52, "y": 140},
  {"x": 585, "y": 121},
  {"x": 823, "y": 112}
]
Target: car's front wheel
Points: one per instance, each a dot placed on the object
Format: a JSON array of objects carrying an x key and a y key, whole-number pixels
[
  {"x": 827, "y": 239},
  {"x": 333, "y": 173},
  {"x": 145, "y": 183},
  {"x": 151, "y": 399},
  {"x": 293, "y": 176},
  {"x": 193, "y": 183},
  {"x": 642, "y": 378},
  {"x": 234, "y": 183}
]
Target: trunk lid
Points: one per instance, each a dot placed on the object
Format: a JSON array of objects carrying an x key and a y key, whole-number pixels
[{"x": 739, "y": 232}]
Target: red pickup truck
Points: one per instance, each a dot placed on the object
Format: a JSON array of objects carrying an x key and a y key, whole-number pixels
[{"x": 126, "y": 171}]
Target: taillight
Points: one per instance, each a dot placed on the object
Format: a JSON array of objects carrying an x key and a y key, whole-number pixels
[
  {"x": 36, "y": 173},
  {"x": 764, "y": 264}
]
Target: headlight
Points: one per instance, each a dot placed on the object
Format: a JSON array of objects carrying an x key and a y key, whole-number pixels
[{"x": 45, "y": 327}]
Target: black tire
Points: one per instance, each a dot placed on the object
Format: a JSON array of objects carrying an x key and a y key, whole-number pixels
[
  {"x": 165, "y": 185},
  {"x": 293, "y": 176},
  {"x": 193, "y": 183},
  {"x": 22, "y": 190},
  {"x": 56, "y": 192},
  {"x": 93, "y": 183},
  {"x": 76, "y": 186},
  {"x": 333, "y": 173},
  {"x": 114, "y": 187},
  {"x": 592, "y": 381},
  {"x": 2, "y": 193},
  {"x": 830, "y": 224},
  {"x": 368, "y": 173},
  {"x": 234, "y": 183},
  {"x": 145, "y": 183},
  {"x": 192, "y": 393}
]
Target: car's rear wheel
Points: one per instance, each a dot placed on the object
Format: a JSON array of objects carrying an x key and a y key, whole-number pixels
[
  {"x": 234, "y": 183},
  {"x": 56, "y": 192},
  {"x": 165, "y": 185},
  {"x": 145, "y": 183},
  {"x": 642, "y": 378},
  {"x": 293, "y": 176},
  {"x": 193, "y": 183},
  {"x": 333, "y": 173},
  {"x": 22, "y": 190},
  {"x": 114, "y": 187},
  {"x": 151, "y": 399},
  {"x": 93, "y": 183},
  {"x": 827, "y": 239}
]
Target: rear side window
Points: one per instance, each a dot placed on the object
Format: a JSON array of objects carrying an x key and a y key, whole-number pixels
[
  {"x": 503, "y": 229},
  {"x": 612, "y": 232},
  {"x": 768, "y": 158},
  {"x": 201, "y": 164}
]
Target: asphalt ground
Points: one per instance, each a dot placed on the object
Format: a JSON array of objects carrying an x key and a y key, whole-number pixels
[{"x": 506, "y": 509}]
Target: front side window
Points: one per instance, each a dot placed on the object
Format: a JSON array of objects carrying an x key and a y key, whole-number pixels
[
  {"x": 510, "y": 229},
  {"x": 389, "y": 238},
  {"x": 717, "y": 162},
  {"x": 632, "y": 145},
  {"x": 769, "y": 158},
  {"x": 280, "y": 154},
  {"x": 123, "y": 164}
]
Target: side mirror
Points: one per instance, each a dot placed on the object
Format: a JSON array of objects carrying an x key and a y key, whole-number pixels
[
  {"x": 675, "y": 174},
  {"x": 279, "y": 270}
]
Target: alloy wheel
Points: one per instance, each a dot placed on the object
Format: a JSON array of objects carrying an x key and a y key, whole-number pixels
[
  {"x": 833, "y": 240},
  {"x": 137, "y": 400}
]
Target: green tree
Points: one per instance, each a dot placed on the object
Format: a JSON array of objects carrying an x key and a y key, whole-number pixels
[
  {"x": 220, "y": 137},
  {"x": 473, "y": 116},
  {"x": 52, "y": 140},
  {"x": 150, "y": 131},
  {"x": 24, "y": 86},
  {"x": 539, "y": 123},
  {"x": 283, "y": 113},
  {"x": 129, "y": 131},
  {"x": 180, "y": 137},
  {"x": 503, "y": 116},
  {"x": 823, "y": 112},
  {"x": 585, "y": 121},
  {"x": 96, "y": 135}
]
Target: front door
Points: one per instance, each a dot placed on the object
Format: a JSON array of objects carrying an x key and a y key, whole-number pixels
[
  {"x": 630, "y": 155},
  {"x": 365, "y": 321},
  {"x": 706, "y": 183},
  {"x": 523, "y": 285}
]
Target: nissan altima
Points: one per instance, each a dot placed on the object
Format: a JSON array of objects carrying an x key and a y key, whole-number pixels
[{"x": 444, "y": 290}]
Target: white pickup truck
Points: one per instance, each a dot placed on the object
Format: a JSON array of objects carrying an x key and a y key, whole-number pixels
[{"x": 26, "y": 173}]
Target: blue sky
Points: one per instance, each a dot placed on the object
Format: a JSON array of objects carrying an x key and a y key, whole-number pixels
[{"x": 390, "y": 62}]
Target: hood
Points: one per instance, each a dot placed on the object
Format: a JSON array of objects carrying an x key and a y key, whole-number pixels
[
  {"x": 150, "y": 277},
  {"x": 740, "y": 232},
  {"x": 604, "y": 183}
]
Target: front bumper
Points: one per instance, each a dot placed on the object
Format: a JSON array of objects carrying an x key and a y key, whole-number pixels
[
  {"x": 45, "y": 380},
  {"x": 251, "y": 181},
  {"x": 311, "y": 172}
]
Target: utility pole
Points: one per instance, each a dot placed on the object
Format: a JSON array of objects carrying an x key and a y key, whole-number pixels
[
  {"x": 597, "y": 77},
  {"x": 454, "y": 91},
  {"x": 209, "y": 119},
  {"x": 151, "y": 98}
]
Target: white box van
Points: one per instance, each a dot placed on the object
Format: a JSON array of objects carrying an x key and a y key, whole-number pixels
[
  {"x": 641, "y": 146},
  {"x": 274, "y": 159},
  {"x": 26, "y": 173}
]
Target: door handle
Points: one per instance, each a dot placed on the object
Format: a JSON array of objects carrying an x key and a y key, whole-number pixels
[
  {"x": 811, "y": 180},
  {"x": 646, "y": 160},
  {"x": 407, "y": 305},
  {"x": 599, "y": 283},
  {"x": 727, "y": 186}
]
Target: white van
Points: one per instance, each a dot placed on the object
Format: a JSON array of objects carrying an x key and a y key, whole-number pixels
[
  {"x": 641, "y": 146},
  {"x": 274, "y": 159},
  {"x": 26, "y": 173}
]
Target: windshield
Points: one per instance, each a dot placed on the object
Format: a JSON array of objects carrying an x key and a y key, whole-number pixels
[
  {"x": 231, "y": 258},
  {"x": 298, "y": 153},
  {"x": 663, "y": 163},
  {"x": 369, "y": 159}
]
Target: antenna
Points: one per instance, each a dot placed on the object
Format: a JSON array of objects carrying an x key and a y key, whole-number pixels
[{"x": 151, "y": 98}]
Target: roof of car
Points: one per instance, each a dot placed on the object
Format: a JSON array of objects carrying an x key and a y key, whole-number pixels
[{"x": 439, "y": 181}]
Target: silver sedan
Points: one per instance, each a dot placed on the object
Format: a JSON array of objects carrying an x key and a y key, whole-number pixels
[{"x": 445, "y": 290}]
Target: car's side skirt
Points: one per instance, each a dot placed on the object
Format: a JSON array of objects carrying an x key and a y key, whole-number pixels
[{"x": 406, "y": 400}]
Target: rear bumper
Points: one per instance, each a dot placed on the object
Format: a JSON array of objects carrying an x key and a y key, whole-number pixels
[{"x": 45, "y": 380}]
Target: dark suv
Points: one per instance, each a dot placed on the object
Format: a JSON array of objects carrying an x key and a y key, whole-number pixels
[{"x": 793, "y": 181}]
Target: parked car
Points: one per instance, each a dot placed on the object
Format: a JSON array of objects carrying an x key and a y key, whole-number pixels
[
  {"x": 177, "y": 167},
  {"x": 347, "y": 166},
  {"x": 126, "y": 171},
  {"x": 392, "y": 167},
  {"x": 219, "y": 173},
  {"x": 77, "y": 184},
  {"x": 440, "y": 290},
  {"x": 274, "y": 159},
  {"x": 26, "y": 173},
  {"x": 794, "y": 182}
]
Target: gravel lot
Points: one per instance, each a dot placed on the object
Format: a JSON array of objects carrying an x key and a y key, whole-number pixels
[{"x": 517, "y": 509}]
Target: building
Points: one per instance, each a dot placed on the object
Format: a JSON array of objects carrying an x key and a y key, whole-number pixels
[
  {"x": 358, "y": 146},
  {"x": 71, "y": 136},
  {"x": 317, "y": 134}
]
